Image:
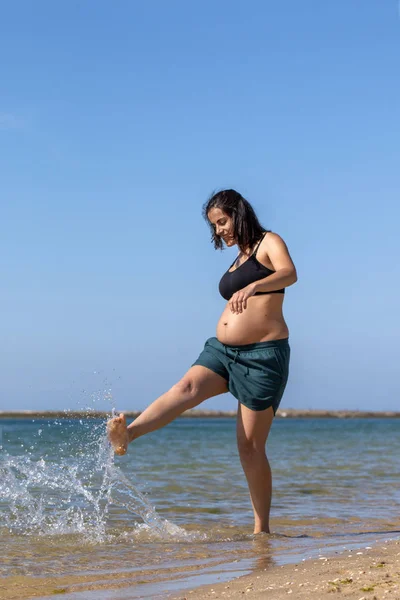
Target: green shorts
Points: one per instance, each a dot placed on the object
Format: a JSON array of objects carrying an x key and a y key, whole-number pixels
[{"x": 256, "y": 373}]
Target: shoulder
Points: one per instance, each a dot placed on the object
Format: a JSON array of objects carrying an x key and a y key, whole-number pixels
[
  {"x": 274, "y": 248},
  {"x": 272, "y": 241}
]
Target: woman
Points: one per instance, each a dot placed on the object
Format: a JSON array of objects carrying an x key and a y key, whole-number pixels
[{"x": 250, "y": 355}]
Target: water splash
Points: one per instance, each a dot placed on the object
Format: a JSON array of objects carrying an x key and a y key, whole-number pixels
[
  {"x": 59, "y": 493},
  {"x": 70, "y": 488},
  {"x": 127, "y": 496}
]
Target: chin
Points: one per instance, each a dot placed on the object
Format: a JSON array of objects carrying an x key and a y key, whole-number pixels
[{"x": 230, "y": 243}]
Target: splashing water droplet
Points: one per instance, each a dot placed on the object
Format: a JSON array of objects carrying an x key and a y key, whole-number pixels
[{"x": 71, "y": 490}]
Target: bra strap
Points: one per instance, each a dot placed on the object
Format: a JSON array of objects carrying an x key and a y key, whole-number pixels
[{"x": 258, "y": 245}]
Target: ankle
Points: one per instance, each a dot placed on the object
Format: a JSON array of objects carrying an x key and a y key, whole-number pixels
[
  {"x": 131, "y": 434},
  {"x": 261, "y": 529}
]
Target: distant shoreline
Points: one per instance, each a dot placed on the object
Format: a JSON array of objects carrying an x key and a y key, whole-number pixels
[{"x": 289, "y": 413}]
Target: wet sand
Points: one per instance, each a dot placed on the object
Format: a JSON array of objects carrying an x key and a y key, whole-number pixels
[
  {"x": 363, "y": 574},
  {"x": 367, "y": 573}
]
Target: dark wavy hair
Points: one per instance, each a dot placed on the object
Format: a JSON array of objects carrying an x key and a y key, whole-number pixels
[{"x": 247, "y": 229}]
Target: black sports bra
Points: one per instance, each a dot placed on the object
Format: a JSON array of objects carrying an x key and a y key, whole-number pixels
[{"x": 249, "y": 271}]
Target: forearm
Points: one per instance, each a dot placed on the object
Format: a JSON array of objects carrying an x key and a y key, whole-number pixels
[{"x": 281, "y": 279}]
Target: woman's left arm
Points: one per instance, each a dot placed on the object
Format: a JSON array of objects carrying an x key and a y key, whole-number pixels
[
  {"x": 274, "y": 248},
  {"x": 285, "y": 274}
]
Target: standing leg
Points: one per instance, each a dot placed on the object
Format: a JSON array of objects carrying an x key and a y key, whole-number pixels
[
  {"x": 197, "y": 385},
  {"x": 252, "y": 432}
]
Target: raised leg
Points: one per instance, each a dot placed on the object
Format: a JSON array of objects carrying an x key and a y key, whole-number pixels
[
  {"x": 252, "y": 433},
  {"x": 197, "y": 385}
]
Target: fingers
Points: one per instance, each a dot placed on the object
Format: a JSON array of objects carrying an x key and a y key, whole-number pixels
[{"x": 237, "y": 303}]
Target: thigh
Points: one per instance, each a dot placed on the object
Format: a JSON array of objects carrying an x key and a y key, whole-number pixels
[{"x": 253, "y": 427}]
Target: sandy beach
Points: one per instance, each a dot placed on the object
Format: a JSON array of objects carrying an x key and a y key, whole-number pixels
[
  {"x": 367, "y": 573},
  {"x": 363, "y": 574}
]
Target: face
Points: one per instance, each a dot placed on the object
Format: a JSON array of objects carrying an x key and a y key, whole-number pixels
[{"x": 223, "y": 225}]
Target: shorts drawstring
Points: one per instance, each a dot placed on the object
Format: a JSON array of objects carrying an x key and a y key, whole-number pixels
[{"x": 236, "y": 351}]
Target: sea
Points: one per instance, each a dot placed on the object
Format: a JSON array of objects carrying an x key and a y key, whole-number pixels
[{"x": 174, "y": 513}]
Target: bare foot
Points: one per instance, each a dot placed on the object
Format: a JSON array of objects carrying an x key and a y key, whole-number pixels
[{"x": 118, "y": 434}]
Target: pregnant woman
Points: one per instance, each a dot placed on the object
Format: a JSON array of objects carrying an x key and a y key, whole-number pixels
[{"x": 249, "y": 356}]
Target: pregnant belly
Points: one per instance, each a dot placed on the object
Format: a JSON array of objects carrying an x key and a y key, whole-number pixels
[{"x": 261, "y": 321}]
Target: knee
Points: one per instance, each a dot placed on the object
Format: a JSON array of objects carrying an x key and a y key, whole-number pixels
[
  {"x": 186, "y": 387},
  {"x": 250, "y": 449}
]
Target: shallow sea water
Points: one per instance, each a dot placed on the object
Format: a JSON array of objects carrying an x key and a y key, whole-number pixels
[{"x": 174, "y": 513}]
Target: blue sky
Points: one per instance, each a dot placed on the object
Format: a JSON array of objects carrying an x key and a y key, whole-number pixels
[{"x": 118, "y": 119}]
